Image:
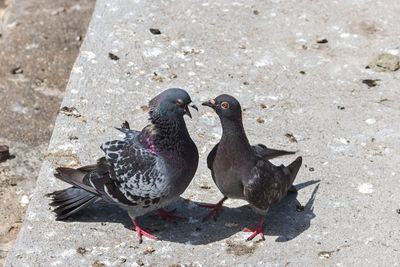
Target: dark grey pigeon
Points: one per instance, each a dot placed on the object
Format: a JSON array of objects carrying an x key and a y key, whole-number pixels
[
  {"x": 242, "y": 171},
  {"x": 145, "y": 171}
]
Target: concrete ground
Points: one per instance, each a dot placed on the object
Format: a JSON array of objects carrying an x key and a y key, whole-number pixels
[
  {"x": 299, "y": 70},
  {"x": 39, "y": 42}
]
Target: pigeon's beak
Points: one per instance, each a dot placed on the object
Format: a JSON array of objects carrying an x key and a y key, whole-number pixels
[
  {"x": 210, "y": 103},
  {"x": 192, "y": 105}
]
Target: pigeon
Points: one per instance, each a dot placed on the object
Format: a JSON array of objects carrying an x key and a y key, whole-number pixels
[
  {"x": 242, "y": 171},
  {"x": 145, "y": 171}
]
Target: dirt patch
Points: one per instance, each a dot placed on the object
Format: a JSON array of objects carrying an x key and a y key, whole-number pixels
[
  {"x": 385, "y": 63},
  {"x": 240, "y": 249}
]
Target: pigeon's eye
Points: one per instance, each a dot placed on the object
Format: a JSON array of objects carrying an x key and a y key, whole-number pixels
[
  {"x": 225, "y": 105},
  {"x": 179, "y": 102}
]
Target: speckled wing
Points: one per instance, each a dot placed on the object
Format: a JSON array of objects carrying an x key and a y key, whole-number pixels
[
  {"x": 267, "y": 184},
  {"x": 129, "y": 173}
]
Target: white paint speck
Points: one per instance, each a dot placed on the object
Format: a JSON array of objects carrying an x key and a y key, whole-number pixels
[
  {"x": 55, "y": 263},
  {"x": 366, "y": 188},
  {"x": 68, "y": 253},
  {"x": 88, "y": 54},
  {"x": 31, "y": 46},
  {"x": 369, "y": 239},
  {"x": 370, "y": 121},
  {"x": 19, "y": 108},
  {"x": 345, "y": 35},
  {"x": 24, "y": 200},
  {"x": 394, "y": 51},
  {"x": 77, "y": 70},
  {"x": 152, "y": 52},
  {"x": 266, "y": 60}
]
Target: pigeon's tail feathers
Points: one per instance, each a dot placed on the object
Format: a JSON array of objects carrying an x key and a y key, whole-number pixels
[
  {"x": 75, "y": 177},
  {"x": 269, "y": 153},
  {"x": 294, "y": 168},
  {"x": 71, "y": 200},
  {"x": 125, "y": 125}
]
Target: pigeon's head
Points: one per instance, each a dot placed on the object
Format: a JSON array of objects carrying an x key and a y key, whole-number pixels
[
  {"x": 173, "y": 103},
  {"x": 226, "y": 106}
]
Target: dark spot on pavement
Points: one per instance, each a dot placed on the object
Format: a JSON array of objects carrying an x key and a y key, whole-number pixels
[
  {"x": 98, "y": 264},
  {"x": 155, "y": 31},
  {"x": 370, "y": 82},
  {"x": 145, "y": 108},
  {"x": 81, "y": 250},
  {"x": 322, "y": 41},
  {"x": 112, "y": 56},
  {"x": 291, "y": 137},
  {"x": 17, "y": 70},
  {"x": 4, "y": 153}
]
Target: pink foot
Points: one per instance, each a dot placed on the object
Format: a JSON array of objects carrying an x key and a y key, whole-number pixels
[
  {"x": 167, "y": 215},
  {"x": 140, "y": 231},
  {"x": 215, "y": 209},
  {"x": 257, "y": 230}
]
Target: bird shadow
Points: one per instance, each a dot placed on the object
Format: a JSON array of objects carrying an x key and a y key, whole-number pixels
[{"x": 286, "y": 220}]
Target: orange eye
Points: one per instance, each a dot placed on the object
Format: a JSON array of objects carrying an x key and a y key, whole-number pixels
[
  {"x": 179, "y": 102},
  {"x": 225, "y": 105}
]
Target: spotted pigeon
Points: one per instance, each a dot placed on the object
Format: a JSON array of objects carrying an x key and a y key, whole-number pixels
[
  {"x": 242, "y": 171},
  {"x": 145, "y": 171}
]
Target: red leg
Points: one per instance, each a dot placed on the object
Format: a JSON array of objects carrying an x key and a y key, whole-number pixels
[
  {"x": 140, "y": 231},
  {"x": 256, "y": 230},
  {"x": 167, "y": 215},
  {"x": 215, "y": 209}
]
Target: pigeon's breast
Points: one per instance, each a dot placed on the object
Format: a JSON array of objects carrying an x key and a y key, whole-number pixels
[
  {"x": 228, "y": 177},
  {"x": 180, "y": 173}
]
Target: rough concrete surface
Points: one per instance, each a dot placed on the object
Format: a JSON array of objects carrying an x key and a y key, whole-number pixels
[
  {"x": 305, "y": 62},
  {"x": 39, "y": 40}
]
